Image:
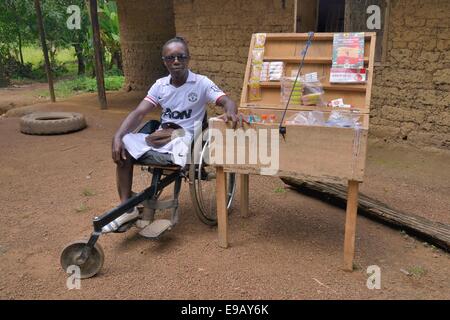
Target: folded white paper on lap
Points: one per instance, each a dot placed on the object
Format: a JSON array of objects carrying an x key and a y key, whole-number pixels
[{"x": 179, "y": 147}]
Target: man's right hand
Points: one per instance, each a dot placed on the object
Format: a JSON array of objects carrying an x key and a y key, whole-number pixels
[{"x": 118, "y": 150}]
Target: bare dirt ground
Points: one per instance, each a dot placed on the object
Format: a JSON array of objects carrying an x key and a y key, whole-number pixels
[
  {"x": 21, "y": 95},
  {"x": 290, "y": 247}
]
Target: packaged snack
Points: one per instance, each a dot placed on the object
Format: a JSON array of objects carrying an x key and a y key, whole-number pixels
[
  {"x": 256, "y": 71},
  {"x": 272, "y": 118},
  {"x": 257, "y": 56},
  {"x": 265, "y": 71},
  {"x": 313, "y": 93},
  {"x": 260, "y": 40},
  {"x": 254, "y": 92},
  {"x": 312, "y": 99},
  {"x": 288, "y": 85}
]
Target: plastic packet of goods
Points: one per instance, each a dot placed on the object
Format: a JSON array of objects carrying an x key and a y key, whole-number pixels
[
  {"x": 310, "y": 118},
  {"x": 313, "y": 93},
  {"x": 254, "y": 92},
  {"x": 288, "y": 85},
  {"x": 257, "y": 55},
  {"x": 260, "y": 40},
  {"x": 256, "y": 71},
  {"x": 276, "y": 69},
  {"x": 344, "y": 118}
]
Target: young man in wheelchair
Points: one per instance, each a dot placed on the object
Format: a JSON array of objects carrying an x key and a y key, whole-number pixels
[{"x": 182, "y": 96}]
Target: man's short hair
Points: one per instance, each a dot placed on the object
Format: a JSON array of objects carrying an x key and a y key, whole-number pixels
[{"x": 179, "y": 40}]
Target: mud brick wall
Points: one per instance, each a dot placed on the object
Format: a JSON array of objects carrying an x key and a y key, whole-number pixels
[
  {"x": 145, "y": 25},
  {"x": 219, "y": 34},
  {"x": 411, "y": 89}
]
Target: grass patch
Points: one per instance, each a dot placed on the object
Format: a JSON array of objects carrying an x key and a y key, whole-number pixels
[
  {"x": 88, "y": 193},
  {"x": 417, "y": 271},
  {"x": 66, "y": 88},
  {"x": 35, "y": 56},
  {"x": 279, "y": 190},
  {"x": 82, "y": 208}
]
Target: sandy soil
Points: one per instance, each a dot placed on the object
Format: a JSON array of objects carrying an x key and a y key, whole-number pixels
[
  {"x": 290, "y": 247},
  {"x": 21, "y": 95}
]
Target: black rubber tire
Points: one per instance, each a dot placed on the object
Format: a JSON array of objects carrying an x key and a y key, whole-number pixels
[
  {"x": 47, "y": 123},
  {"x": 202, "y": 213}
]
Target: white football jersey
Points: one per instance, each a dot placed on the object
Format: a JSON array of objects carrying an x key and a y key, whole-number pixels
[{"x": 186, "y": 104}]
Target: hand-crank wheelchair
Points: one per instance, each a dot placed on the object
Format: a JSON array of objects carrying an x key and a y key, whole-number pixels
[{"x": 88, "y": 254}]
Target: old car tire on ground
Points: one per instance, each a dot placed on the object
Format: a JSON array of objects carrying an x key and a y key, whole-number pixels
[{"x": 43, "y": 123}]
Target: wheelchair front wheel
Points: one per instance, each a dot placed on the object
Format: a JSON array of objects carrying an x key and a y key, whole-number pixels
[{"x": 203, "y": 188}]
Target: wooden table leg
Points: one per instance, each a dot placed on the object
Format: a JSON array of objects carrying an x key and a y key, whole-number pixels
[
  {"x": 244, "y": 180},
  {"x": 222, "y": 216},
  {"x": 350, "y": 225}
]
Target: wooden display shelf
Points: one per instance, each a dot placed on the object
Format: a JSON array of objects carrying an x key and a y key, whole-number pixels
[{"x": 325, "y": 153}]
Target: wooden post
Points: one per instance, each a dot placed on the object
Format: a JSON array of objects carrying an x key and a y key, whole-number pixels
[
  {"x": 48, "y": 69},
  {"x": 98, "y": 54},
  {"x": 222, "y": 216},
  {"x": 350, "y": 224},
  {"x": 244, "y": 180}
]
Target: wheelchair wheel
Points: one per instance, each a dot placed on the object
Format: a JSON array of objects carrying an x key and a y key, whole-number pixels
[
  {"x": 203, "y": 188},
  {"x": 70, "y": 256}
]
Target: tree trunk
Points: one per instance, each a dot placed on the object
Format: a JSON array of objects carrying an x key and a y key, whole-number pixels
[
  {"x": 20, "y": 47},
  {"x": 80, "y": 58},
  {"x": 4, "y": 81},
  {"x": 52, "y": 53},
  {"x": 116, "y": 59}
]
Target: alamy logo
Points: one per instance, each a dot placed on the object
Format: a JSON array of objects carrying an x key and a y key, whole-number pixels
[
  {"x": 374, "y": 280},
  {"x": 186, "y": 114},
  {"x": 374, "y": 20},
  {"x": 192, "y": 97},
  {"x": 73, "y": 281},
  {"x": 74, "y": 20}
]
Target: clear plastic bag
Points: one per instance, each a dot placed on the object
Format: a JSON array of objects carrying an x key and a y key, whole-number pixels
[
  {"x": 287, "y": 83},
  {"x": 306, "y": 90},
  {"x": 344, "y": 118},
  {"x": 313, "y": 93},
  {"x": 309, "y": 118}
]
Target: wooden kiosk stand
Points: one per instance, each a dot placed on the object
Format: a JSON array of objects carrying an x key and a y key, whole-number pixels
[{"x": 325, "y": 153}]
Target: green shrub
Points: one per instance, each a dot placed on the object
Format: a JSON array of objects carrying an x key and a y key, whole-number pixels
[{"x": 65, "y": 88}]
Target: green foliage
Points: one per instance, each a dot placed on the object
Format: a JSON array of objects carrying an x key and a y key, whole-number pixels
[
  {"x": 109, "y": 30},
  {"x": 66, "y": 88},
  {"x": 279, "y": 190},
  {"x": 18, "y": 28},
  {"x": 17, "y": 19},
  {"x": 417, "y": 271}
]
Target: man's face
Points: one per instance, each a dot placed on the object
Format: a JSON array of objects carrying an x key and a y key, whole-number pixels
[{"x": 176, "y": 59}]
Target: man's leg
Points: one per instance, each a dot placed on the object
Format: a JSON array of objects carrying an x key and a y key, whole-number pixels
[{"x": 124, "y": 177}]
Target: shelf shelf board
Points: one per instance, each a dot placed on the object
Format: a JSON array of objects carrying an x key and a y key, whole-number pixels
[
  {"x": 308, "y": 60},
  {"x": 340, "y": 87}
]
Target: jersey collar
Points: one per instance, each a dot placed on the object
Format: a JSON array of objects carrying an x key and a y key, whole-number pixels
[{"x": 192, "y": 77}]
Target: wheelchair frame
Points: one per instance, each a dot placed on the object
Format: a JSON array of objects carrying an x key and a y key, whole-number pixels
[{"x": 89, "y": 256}]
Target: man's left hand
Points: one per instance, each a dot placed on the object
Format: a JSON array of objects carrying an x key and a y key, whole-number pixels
[{"x": 237, "y": 119}]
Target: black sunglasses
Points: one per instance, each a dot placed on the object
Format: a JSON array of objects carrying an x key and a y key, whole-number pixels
[{"x": 180, "y": 57}]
